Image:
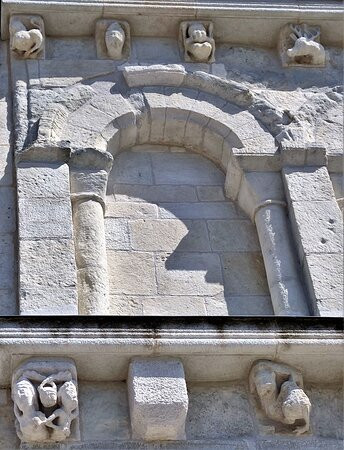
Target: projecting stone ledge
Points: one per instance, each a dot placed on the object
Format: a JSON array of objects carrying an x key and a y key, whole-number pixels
[{"x": 158, "y": 399}]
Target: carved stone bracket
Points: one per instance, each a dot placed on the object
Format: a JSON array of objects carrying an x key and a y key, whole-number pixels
[
  {"x": 112, "y": 39},
  {"x": 299, "y": 45},
  {"x": 278, "y": 390},
  {"x": 45, "y": 396},
  {"x": 197, "y": 42},
  {"x": 27, "y": 36}
]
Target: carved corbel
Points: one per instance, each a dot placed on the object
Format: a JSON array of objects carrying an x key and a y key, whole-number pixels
[
  {"x": 197, "y": 42},
  {"x": 27, "y": 36},
  {"x": 45, "y": 397},
  {"x": 278, "y": 391},
  {"x": 112, "y": 39},
  {"x": 299, "y": 45}
]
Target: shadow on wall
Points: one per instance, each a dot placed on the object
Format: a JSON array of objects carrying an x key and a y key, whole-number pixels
[{"x": 175, "y": 244}]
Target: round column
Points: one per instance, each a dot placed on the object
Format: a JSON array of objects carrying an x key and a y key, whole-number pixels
[{"x": 286, "y": 290}]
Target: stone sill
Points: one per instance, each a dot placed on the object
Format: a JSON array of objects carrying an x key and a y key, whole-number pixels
[
  {"x": 239, "y": 22},
  {"x": 212, "y": 349}
]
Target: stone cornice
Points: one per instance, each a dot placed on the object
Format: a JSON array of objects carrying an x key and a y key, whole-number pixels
[
  {"x": 63, "y": 17},
  {"x": 227, "y": 346}
]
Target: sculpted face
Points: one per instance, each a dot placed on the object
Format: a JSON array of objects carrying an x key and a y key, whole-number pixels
[
  {"x": 114, "y": 40},
  {"x": 198, "y": 33},
  {"x": 22, "y": 41}
]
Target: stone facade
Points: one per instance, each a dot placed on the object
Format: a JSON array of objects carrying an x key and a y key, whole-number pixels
[{"x": 159, "y": 161}]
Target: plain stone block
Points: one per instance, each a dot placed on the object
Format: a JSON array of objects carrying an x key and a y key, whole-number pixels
[
  {"x": 329, "y": 425},
  {"x": 5, "y": 124},
  {"x": 244, "y": 274},
  {"x": 41, "y": 218},
  {"x": 187, "y": 169},
  {"x": 154, "y": 194},
  {"x": 218, "y": 411},
  {"x": 7, "y": 210},
  {"x": 311, "y": 183},
  {"x": 210, "y": 193},
  {"x": 176, "y": 305},
  {"x": 233, "y": 235},
  {"x": 189, "y": 274},
  {"x": 158, "y": 399},
  {"x": 131, "y": 210},
  {"x": 7, "y": 262},
  {"x": 131, "y": 273},
  {"x": 338, "y": 184},
  {"x": 6, "y": 166},
  {"x": 169, "y": 235},
  {"x": 206, "y": 210},
  {"x": 117, "y": 234},
  {"x": 43, "y": 180},
  {"x": 104, "y": 411},
  {"x": 318, "y": 226}
]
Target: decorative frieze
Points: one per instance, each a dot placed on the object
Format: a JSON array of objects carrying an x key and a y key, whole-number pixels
[
  {"x": 27, "y": 36},
  {"x": 112, "y": 39},
  {"x": 299, "y": 45},
  {"x": 45, "y": 396},
  {"x": 197, "y": 42},
  {"x": 279, "y": 392}
]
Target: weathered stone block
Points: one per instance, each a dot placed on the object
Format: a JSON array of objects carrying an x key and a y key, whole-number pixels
[
  {"x": 189, "y": 274},
  {"x": 204, "y": 210},
  {"x": 117, "y": 234},
  {"x": 45, "y": 218},
  {"x": 318, "y": 226},
  {"x": 158, "y": 399},
  {"x": 133, "y": 168},
  {"x": 311, "y": 183},
  {"x": 233, "y": 235},
  {"x": 7, "y": 262},
  {"x": 154, "y": 194},
  {"x": 178, "y": 169},
  {"x": 176, "y": 305},
  {"x": 130, "y": 210},
  {"x": 244, "y": 273},
  {"x": 125, "y": 305},
  {"x": 43, "y": 180},
  {"x": 210, "y": 193},
  {"x": 131, "y": 273},
  {"x": 7, "y": 210},
  {"x": 169, "y": 235},
  {"x": 46, "y": 301}
]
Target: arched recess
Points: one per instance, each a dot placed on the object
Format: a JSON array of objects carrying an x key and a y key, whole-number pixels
[{"x": 206, "y": 124}]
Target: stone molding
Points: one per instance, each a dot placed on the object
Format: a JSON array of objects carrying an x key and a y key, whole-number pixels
[
  {"x": 271, "y": 16},
  {"x": 211, "y": 349}
]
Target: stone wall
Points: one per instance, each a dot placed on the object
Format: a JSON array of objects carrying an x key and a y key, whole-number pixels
[{"x": 194, "y": 251}]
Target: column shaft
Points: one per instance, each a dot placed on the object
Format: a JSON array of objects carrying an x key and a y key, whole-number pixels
[
  {"x": 287, "y": 293},
  {"x": 91, "y": 258}
]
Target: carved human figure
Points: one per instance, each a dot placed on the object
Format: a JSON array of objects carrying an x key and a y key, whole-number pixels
[
  {"x": 199, "y": 44},
  {"x": 60, "y": 421},
  {"x": 26, "y": 42},
  {"x": 30, "y": 420},
  {"x": 44, "y": 406},
  {"x": 114, "y": 40},
  {"x": 279, "y": 389}
]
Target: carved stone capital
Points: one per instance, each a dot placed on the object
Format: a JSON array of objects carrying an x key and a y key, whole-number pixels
[
  {"x": 27, "y": 36},
  {"x": 278, "y": 390},
  {"x": 45, "y": 396}
]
